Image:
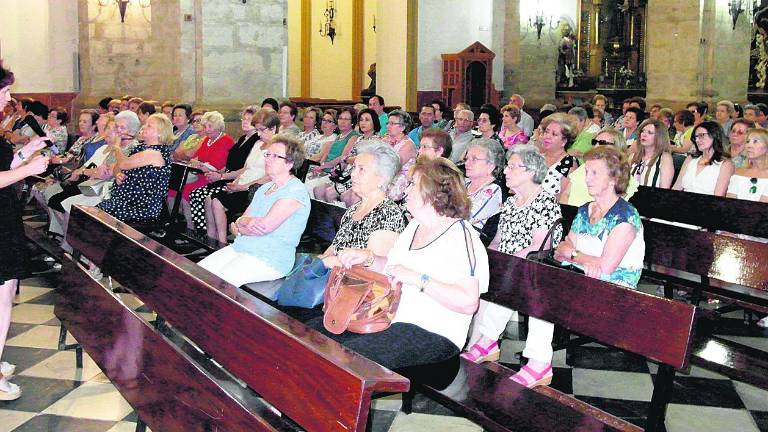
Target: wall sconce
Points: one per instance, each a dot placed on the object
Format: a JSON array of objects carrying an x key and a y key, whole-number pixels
[
  {"x": 329, "y": 27},
  {"x": 122, "y": 5},
  {"x": 374, "y": 23}
]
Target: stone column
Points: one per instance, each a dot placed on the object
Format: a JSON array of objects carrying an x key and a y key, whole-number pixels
[{"x": 695, "y": 54}]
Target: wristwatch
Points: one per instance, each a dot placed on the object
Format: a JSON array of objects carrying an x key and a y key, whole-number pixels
[
  {"x": 574, "y": 254},
  {"x": 21, "y": 155},
  {"x": 424, "y": 281}
]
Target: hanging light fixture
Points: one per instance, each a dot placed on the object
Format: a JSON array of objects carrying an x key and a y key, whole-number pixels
[
  {"x": 328, "y": 28},
  {"x": 122, "y": 5}
]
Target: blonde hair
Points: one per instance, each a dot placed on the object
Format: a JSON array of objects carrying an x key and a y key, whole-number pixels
[
  {"x": 215, "y": 118},
  {"x": 165, "y": 128}
]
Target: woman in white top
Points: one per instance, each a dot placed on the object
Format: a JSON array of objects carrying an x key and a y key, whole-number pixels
[
  {"x": 56, "y": 126},
  {"x": 751, "y": 182},
  {"x": 558, "y": 136},
  {"x": 234, "y": 196},
  {"x": 651, "y": 162},
  {"x": 443, "y": 267},
  {"x": 484, "y": 162},
  {"x": 708, "y": 171}
]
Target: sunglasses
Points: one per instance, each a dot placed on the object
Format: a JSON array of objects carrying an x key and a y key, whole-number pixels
[
  {"x": 601, "y": 142},
  {"x": 753, "y": 188}
]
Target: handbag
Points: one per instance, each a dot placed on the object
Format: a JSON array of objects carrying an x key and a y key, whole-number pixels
[
  {"x": 359, "y": 300},
  {"x": 93, "y": 187},
  {"x": 543, "y": 254},
  {"x": 305, "y": 284}
]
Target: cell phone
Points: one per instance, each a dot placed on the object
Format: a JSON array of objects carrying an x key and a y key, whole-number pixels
[{"x": 32, "y": 123}]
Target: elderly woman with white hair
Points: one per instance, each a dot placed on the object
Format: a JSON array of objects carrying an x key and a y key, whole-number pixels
[
  {"x": 484, "y": 163},
  {"x": 526, "y": 218},
  {"x": 210, "y": 156},
  {"x": 373, "y": 223}
]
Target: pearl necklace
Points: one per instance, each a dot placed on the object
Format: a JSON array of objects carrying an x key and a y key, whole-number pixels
[{"x": 212, "y": 142}]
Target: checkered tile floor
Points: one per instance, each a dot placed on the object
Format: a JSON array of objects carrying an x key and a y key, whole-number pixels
[{"x": 59, "y": 397}]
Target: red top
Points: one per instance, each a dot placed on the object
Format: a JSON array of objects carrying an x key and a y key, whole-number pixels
[{"x": 214, "y": 152}]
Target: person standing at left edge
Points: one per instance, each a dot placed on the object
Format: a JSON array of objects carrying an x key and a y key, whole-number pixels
[{"x": 13, "y": 167}]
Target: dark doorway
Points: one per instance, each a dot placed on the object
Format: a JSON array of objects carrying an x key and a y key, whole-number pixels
[{"x": 475, "y": 84}]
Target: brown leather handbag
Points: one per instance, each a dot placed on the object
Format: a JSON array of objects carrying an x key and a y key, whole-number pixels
[{"x": 359, "y": 300}]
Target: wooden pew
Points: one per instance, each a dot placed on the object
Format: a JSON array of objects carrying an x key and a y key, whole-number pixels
[
  {"x": 707, "y": 211},
  {"x": 658, "y": 329},
  {"x": 311, "y": 379}
]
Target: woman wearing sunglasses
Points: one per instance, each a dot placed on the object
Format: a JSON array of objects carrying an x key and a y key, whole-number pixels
[{"x": 751, "y": 181}]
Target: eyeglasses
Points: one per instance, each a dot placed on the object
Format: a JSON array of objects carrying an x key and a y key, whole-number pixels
[
  {"x": 395, "y": 123},
  {"x": 345, "y": 118},
  {"x": 261, "y": 129},
  {"x": 701, "y": 135},
  {"x": 268, "y": 155},
  {"x": 328, "y": 121},
  {"x": 473, "y": 159},
  {"x": 196, "y": 121},
  {"x": 596, "y": 142},
  {"x": 521, "y": 166},
  {"x": 753, "y": 188}
]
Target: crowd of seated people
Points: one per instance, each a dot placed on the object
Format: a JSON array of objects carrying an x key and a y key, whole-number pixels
[{"x": 439, "y": 191}]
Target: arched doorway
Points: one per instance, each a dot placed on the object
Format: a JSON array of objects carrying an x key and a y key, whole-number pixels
[{"x": 475, "y": 85}]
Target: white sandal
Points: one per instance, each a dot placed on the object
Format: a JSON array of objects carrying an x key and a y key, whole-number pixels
[
  {"x": 7, "y": 369},
  {"x": 13, "y": 394},
  {"x": 763, "y": 322}
]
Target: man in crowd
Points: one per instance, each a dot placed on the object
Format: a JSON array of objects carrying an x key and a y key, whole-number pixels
[
  {"x": 427, "y": 119},
  {"x": 461, "y": 134},
  {"x": 526, "y": 121},
  {"x": 376, "y": 103}
]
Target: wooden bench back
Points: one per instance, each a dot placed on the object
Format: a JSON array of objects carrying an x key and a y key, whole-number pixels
[
  {"x": 312, "y": 379},
  {"x": 707, "y": 211},
  {"x": 656, "y": 328},
  {"x": 169, "y": 389}
]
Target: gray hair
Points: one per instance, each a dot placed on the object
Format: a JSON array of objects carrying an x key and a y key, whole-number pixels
[
  {"x": 728, "y": 106},
  {"x": 752, "y": 107},
  {"x": 215, "y": 118},
  {"x": 387, "y": 159},
  {"x": 404, "y": 116},
  {"x": 522, "y": 99},
  {"x": 134, "y": 124},
  {"x": 471, "y": 114},
  {"x": 532, "y": 160},
  {"x": 494, "y": 151},
  {"x": 579, "y": 112}
]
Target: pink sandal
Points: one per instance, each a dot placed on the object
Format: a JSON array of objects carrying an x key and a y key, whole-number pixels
[
  {"x": 528, "y": 377},
  {"x": 480, "y": 354}
]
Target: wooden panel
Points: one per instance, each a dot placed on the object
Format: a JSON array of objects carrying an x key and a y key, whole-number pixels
[
  {"x": 711, "y": 212},
  {"x": 490, "y": 398},
  {"x": 323, "y": 386},
  {"x": 618, "y": 316},
  {"x": 132, "y": 354}
]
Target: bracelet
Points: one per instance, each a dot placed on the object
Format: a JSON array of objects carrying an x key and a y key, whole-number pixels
[{"x": 424, "y": 281}]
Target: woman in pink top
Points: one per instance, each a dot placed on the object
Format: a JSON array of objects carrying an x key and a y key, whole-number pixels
[{"x": 510, "y": 133}]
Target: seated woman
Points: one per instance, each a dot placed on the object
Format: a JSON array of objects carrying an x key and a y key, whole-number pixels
[
  {"x": 708, "y": 170},
  {"x": 682, "y": 141},
  {"x": 141, "y": 183},
  {"x": 56, "y": 126},
  {"x": 484, "y": 163},
  {"x": 443, "y": 268},
  {"x": 651, "y": 163},
  {"x": 576, "y": 193},
  {"x": 317, "y": 144},
  {"x": 368, "y": 125},
  {"x": 510, "y": 133},
  {"x": 373, "y": 223},
  {"x": 267, "y": 234},
  {"x": 435, "y": 143},
  {"x": 526, "y": 219},
  {"x": 235, "y": 165},
  {"x": 606, "y": 237},
  {"x": 335, "y": 153},
  {"x": 311, "y": 122},
  {"x": 232, "y": 198},
  {"x": 751, "y": 181},
  {"x": 187, "y": 146},
  {"x": 556, "y": 138},
  {"x": 210, "y": 156},
  {"x": 399, "y": 122}
]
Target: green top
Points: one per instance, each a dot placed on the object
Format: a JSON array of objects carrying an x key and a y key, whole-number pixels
[
  {"x": 383, "y": 120},
  {"x": 583, "y": 142},
  {"x": 578, "y": 195},
  {"x": 338, "y": 146}
]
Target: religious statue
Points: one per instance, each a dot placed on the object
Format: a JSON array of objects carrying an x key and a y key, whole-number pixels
[
  {"x": 371, "y": 90},
  {"x": 566, "y": 59},
  {"x": 761, "y": 67}
]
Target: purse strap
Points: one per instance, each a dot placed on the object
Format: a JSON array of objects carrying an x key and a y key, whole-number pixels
[
  {"x": 550, "y": 235},
  {"x": 469, "y": 246}
]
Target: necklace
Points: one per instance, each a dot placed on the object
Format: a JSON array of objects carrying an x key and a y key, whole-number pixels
[{"x": 212, "y": 142}]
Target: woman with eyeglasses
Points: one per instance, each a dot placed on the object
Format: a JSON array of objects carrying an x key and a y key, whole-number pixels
[
  {"x": 320, "y": 143},
  {"x": 708, "y": 170},
  {"x": 236, "y": 164},
  {"x": 526, "y": 218},
  {"x": 488, "y": 122},
  {"x": 737, "y": 139},
  {"x": 399, "y": 123},
  {"x": 341, "y": 187},
  {"x": 232, "y": 197},
  {"x": 557, "y": 137},
  {"x": 576, "y": 193},
  {"x": 267, "y": 234},
  {"x": 751, "y": 181},
  {"x": 187, "y": 148},
  {"x": 334, "y": 154},
  {"x": 651, "y": 162},
  {"x": 484, "y": 163}
]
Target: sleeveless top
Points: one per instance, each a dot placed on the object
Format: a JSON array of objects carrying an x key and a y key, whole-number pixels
[
  {"x": 556, "y": 172},
  {"x": 647, "y": 175},
  {"x": 748, "y": 188},
  {"x": 703, "y": 182},
  {"x": 338, "y": 146}
]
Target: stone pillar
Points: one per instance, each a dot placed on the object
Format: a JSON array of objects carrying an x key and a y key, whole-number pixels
[
  {"x": 695, "y": 54},
  {"x": 529, "y": 62}
]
